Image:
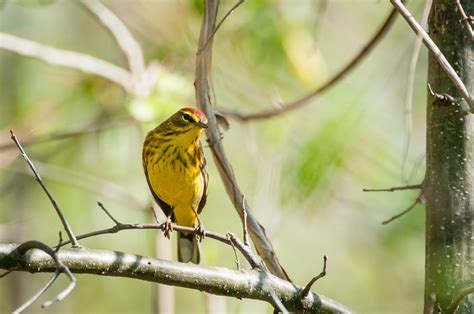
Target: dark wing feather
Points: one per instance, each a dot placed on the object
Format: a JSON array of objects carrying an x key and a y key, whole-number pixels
[
  {"x": 166, "y": 208},
  {"x": 205, "y": 176}
]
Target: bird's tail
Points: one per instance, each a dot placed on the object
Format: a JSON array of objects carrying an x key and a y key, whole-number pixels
[{"x": 188, "y": 248}]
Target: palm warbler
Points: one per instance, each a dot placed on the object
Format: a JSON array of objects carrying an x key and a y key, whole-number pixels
[{"x": 176, "y": 173}]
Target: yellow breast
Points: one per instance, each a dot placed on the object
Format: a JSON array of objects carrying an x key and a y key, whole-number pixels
[{"x": 177, "y": 181}]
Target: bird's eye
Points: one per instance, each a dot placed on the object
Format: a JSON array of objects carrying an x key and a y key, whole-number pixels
[{"x": 187, "y": 118}]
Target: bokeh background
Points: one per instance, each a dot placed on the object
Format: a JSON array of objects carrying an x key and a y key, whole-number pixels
[{"x": 302, "y": 172}]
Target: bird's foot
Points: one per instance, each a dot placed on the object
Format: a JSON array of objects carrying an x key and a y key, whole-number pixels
[
  {"x": 168, "y": 228},
  {"x": 200, "y": 232}
]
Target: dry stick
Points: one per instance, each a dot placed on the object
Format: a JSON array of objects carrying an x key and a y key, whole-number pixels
[
  {"x": 251, "y": 284},
  {"x": 307, "y": 288},
  {"x": 411, "y": 84},
  {"x": 278, "y": 304},
  {"x": 396, "y": 188},
  {"x": 237, "y": 260},
  {"x": 437, "y": 54},
  {"x": 60, "y": 268},
  {"x": 204, "y": 99},
  {"x": 465, "y": 18},
  {"x": 229, "y": 239},
  {"x": 457, "y": 300},
  {"x": 129, "y": 46},
  {"x": 70, "y": 59},
  {"x": 417, "y": 201},
  {"x": 66, "y": 226},
  {"x": 235, "y": 6},
  {"x": 304, "y": 100}
]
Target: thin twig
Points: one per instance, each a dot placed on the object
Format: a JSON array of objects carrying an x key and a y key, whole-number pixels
[
  {"x": 229, "y": 239},
  {"x": 235, "y": 6},
  {"x": 307, "y": 288},
  {"x": 70, "y": 59},
  {"x": 339, "y": 75},
  {"x": 63, "y": 219},
  {"x": 130, "y": 47},
  {"x": 459, "y": 297},
  {"x": 246, "y": 233},
  {"x": 417, "y": 201},
  {"x": 155, "y": 216},
  {"x": 437, "y": 54},
  {"x": 396, "y": 188},
  {"x": 411, "y": 84},
  {"x": 237, "y": 260},
  {"x": 60, "y": 268},
  {"x": 466, "y": 20},
  {"x": 278, "y": 304},
  {"x": 107, "y": 213}
]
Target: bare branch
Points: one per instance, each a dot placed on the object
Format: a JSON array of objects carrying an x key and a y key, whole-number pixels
[
  {"x": 216, "y": 280},
  {"x": 307, "y": 288},
  {"x": 63, "y": 219},
  {"x": 235, "y": 6},
  {"x": 130, "y": 47},
  {"x": 204, "y": 99},
  {"x": 229, "y": 239},
  {"x": 339, "y": 75},
  {"x": 411, "y": 84},
  {"x": 466, "y": 20},
  {"x": 70, "y": 59},
  {"x": 278, "y": 304},
  {"x": 237, "y": 260},
  {"x": 20, "y": 252},
  {"x": 396, "y": 188},
  {"x": 417, "y": 201},
  {"x": 438, "y": 55}
]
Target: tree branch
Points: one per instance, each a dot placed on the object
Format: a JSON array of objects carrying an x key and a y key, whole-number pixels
[
  {"x": 216, "y": 280},
  {"x": 339, "y": 75},
  {"x": 55, "y": 204},
  {"x": 438, "y": 55},
  {"x": 204, "y": 99},
  {"x": 70, "y": 59},
  {"x": 127, "y": 43}
]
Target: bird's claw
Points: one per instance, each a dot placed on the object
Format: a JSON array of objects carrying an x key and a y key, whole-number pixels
[
  {"x": 168, "y": 228},
  {"x": 200, "y": 232}
]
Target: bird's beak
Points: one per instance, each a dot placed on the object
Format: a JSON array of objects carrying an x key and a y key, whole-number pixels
[{"x": 201, "y": 124}]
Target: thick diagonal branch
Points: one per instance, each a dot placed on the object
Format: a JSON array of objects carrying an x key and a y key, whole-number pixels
[
  {"x": 204, "y": 98},
  {"x": 216, "y": 280}
]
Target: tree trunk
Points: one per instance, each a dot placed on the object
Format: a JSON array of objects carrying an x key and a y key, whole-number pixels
[{"x": 449, "y": 184}]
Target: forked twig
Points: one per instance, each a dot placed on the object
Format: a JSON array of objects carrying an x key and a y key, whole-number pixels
[
  {"x": 264, "y": 114},
  {"x": 308, "y": 286},
  {"x": 70, "y": 59},
  {"x": 466, "y": 19},
  {"x": 235, "y": 6},
  {"x": 237, "y": 260},
  {"x": 437, "y": 54},
  {"x": 417, "y": 201},
  {"x": 130, "y": 47},
  {"x": 61, "y": 268},
  {"x": 63, "y": 219}
]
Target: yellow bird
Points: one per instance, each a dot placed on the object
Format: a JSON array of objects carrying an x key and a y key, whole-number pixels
[{"x": 175, "y": 169}]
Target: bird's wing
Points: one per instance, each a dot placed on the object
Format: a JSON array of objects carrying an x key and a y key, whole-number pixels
[
  {"x": 205, "y": 176},
  {"x": 166, "y": 208}
]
